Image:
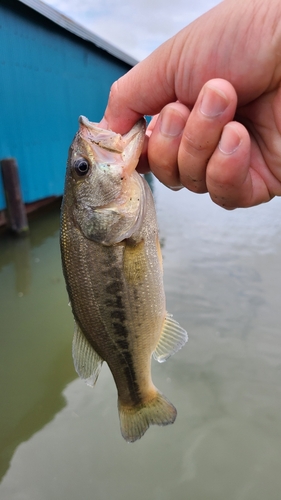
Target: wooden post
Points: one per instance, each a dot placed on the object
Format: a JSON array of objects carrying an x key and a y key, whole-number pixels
[{"x": 16, "y": 215}]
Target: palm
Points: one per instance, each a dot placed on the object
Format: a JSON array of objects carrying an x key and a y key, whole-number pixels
[
  {"x": 261, "y": 120},
  {"x": 252, "y": 65}
]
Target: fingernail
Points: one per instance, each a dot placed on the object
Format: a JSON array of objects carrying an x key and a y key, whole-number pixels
[
  {"x": 230, "y": 140},
  {"x": 176, "y": 188},
  {"x": 171, "y": 123},
  {"x": 214, "y": 102}
]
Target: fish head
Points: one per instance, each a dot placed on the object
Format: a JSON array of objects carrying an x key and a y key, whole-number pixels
[{"x": 102, "y": 188}]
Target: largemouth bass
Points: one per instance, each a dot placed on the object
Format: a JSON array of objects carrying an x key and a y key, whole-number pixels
[{"x": 113, "y": 271}]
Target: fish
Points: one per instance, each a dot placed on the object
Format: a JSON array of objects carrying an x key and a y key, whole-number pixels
[{"x": 112, "y": 265}]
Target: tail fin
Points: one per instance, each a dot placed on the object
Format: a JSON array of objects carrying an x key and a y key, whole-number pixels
[{"x": 135, "y": 420}]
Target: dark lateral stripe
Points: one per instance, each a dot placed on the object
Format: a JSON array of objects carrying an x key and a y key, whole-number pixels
[
  {"x": 118, "y": 314},
  {"x": 116, "y": 309}
]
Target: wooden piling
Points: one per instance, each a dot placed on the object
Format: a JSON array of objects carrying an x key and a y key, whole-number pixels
[{"x": 16, "y": 214}]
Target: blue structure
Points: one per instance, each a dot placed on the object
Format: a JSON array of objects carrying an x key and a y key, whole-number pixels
[{"x": 52, "y": 70}]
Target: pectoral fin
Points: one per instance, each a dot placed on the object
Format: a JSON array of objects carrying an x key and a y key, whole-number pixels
[
  {"x": 172, "y": 339},
  {"x": 86, "y": 361}
]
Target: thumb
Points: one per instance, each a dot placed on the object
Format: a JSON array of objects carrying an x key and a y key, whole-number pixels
[{"x": 144, "y": 90}]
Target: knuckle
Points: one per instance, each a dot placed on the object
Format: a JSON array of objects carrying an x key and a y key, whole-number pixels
[{"x": 196, "y": 147}]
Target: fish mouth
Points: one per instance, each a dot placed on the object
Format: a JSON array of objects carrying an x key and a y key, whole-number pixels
[
  {"x": 125, "y": 149},
  {"x": 105, "y": 139}
]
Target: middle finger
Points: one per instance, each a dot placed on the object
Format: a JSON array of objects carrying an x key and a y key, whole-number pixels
[{"x": 214, "y": 108}]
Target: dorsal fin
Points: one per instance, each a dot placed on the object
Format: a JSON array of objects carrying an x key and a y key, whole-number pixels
[
  {"x": 86, "y": 361},
  {"x": 173, "y": 338}
]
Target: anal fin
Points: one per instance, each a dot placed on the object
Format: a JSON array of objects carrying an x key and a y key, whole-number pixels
[
  {"x": 87, "y": 362},
  {"x": 173, "y": 338}
]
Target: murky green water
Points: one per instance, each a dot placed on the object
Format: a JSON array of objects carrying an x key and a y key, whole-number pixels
[{"x": 60, "y": 440}]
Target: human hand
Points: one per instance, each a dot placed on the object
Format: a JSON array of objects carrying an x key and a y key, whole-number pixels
[{"x": 218, "y": 92}]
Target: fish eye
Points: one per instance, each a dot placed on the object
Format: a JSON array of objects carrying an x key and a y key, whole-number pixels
[{"x": 81, "y": 167}]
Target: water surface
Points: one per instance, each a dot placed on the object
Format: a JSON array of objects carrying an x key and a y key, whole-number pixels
[{"x": 60, "y": 440}]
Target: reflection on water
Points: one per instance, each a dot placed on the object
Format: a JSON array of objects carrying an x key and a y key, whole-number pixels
[
  {"x": 35, "y": 359},
  {"x": 60, "y": 440}
]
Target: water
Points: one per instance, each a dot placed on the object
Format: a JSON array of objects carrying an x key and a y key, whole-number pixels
[{"x": 60, "y": 440}]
